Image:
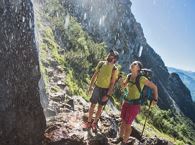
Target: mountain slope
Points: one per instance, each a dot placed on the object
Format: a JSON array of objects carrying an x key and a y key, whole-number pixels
[
  {"x": 187, "y": 77},
  {"x": 113, "y": 23},
  {"x": 72, "y": 43},
  {"x": 189, "y": 73}
]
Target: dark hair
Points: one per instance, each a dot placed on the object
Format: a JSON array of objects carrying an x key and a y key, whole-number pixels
[
  {"x": 138, "y": 63},
  {"x": 115, "y": 53}
]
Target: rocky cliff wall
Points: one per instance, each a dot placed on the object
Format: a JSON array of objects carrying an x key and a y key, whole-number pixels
[{"x": 22, "y": 121}]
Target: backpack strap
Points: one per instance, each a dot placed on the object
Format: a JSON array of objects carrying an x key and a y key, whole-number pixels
[
  {"x": 113, "y": 70},
  {"x": 129, "y": 77},
  {"x": 100, "y": 65},
  {"x": 137, "y": 81}
]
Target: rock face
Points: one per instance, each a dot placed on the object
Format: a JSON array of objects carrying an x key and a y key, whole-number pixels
[
  {"x": 181, "y": 95},
  {"x": 22, "y": 121},
  {"x": 112, "y": 21},
  {"x": 188, "y": 79}
]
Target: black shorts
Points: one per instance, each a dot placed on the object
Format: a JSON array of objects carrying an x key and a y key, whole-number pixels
[{"x": 97, "y": 95}]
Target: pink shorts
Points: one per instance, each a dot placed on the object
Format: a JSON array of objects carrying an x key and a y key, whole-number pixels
[{"x": 129, "y": 112}]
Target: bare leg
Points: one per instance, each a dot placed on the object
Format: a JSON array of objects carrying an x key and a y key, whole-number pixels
[
  {"x": 98, "y": 113},
  {"x": 91, "y": 110},
  {"x": 122, "y": 129},
  {"x": 128, "y": 131}
]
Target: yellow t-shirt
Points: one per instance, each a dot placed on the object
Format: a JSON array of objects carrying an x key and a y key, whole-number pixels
[
  {"x": 105, "y": 73},
  {"x": 133, "y": 92}
]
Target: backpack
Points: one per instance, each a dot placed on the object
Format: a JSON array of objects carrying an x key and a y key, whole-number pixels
[{"x": 146, "y": 92}]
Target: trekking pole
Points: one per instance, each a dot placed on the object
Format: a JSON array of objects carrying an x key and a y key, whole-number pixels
[{"x": 146, "y": 119}]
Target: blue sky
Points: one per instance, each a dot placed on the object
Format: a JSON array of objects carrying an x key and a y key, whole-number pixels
[{"x": 169, "y": 27}]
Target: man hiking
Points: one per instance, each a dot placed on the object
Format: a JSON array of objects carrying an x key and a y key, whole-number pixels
[
  {"x": 102, "y": 84},
  {"x": 130, "y": 110}
]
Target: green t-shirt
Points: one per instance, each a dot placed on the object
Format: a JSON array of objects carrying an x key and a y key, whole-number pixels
[
  {"x": 133, "y": 90},
  {"x": 105, "y": 74}
]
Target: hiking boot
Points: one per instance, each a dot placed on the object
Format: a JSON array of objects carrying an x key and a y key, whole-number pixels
[
  {"x": 117, "y": 140},
  {"x": 86, "y": 125},
  {"x": 94, "y": 127}
]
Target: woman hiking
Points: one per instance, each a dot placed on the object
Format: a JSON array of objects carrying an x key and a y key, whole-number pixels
[
  {"x": 102, "y": 84},
  {"x": 129, "y": 110}
]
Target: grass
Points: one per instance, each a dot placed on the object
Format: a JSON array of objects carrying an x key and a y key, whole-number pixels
[{"x": 165, "y": 133}]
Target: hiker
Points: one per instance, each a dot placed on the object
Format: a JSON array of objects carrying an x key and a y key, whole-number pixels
[
  {"x": 130, "y": 110},
  {"x": 102, "y": 84}
]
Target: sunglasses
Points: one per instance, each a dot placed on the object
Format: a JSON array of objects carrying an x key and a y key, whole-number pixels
[{"x": 135, "y": 63}]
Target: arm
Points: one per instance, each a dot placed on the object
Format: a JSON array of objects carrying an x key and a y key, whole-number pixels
[
  {"x": 124, "y": 88},
  {"x": 93, "y": 80},
  {"x": 153, "y": 87},
  {"x": 94, "y": 77},
  {"x": 125, "y": 83}
]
